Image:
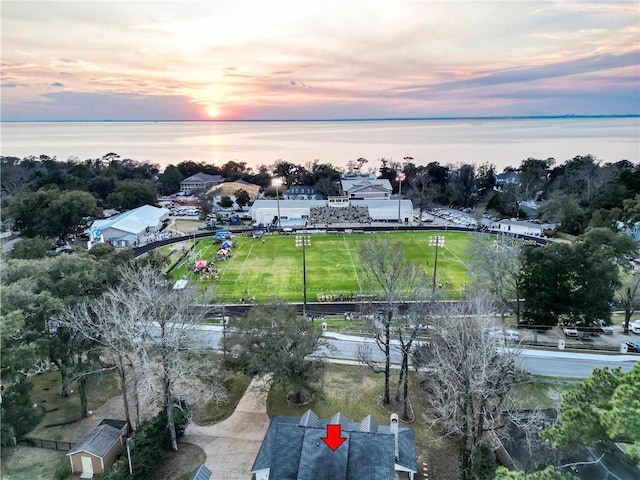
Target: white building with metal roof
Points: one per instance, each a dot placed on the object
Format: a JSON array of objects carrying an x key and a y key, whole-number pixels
[{"x": 126, "y": 229}]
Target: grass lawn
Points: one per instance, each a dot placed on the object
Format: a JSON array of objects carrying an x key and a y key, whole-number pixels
[
  {"x": 212, "y": 412},
  {"x": 46, "y": 393},
  {"x": 541, "y": 393},
  {"x": 274, "y": 268},
  {"x": 29, "y": 463}
]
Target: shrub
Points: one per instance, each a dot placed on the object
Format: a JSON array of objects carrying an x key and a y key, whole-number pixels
[
  {"x": 148, "y": 447},
  {"x": 62, "y": 470}
]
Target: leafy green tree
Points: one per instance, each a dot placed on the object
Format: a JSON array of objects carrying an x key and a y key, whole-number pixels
[
  {"x": 566, "y": 211},
  {"x": 578, "y": 281},
  {"x": 546, "y": 283},
  {"x": 273, "y": 339},
  {"x": 631, "y": 210},
  {"x": 242, "y": 197},
  {"x": 51, "y": 213},
  {"x": 131, "y": 194},
  {"x": 17, "y": 414},
  {"x": 102, "y": 186},
  {"x": 597, "y": 258},
  {"x": 31, "y": 248},
  {"x": 601, "y": 410},
  {"x": 170, "y": 179},
  {"x": 28, "y": 211},
  {"x": 225, "y": 201},
  {"x": 68, "y": 211},
  {"x": 233, "y": 170},
  {"x": 462, "y": 189}
]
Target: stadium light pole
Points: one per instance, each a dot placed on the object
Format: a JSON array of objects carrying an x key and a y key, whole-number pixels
[
  {"x": 400, "y": 177},
  {"x": 276, "y": 182},
  {"x": 435, "y": 241},
  {"x": 304, "y": 241}
]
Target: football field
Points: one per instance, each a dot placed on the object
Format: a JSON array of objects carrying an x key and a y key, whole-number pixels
[{"x": 274, "y": 267}]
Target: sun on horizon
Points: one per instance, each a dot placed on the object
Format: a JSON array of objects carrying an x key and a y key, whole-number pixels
[{"x": 212, "y": 111}]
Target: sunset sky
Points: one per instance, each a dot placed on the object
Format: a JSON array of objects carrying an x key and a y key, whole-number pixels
[{"x": 322, "y": 59}]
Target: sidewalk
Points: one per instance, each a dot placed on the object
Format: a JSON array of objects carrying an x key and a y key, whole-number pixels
[{"x": 231, "y": 446}]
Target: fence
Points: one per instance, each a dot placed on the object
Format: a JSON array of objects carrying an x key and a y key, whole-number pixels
[{"x": 50, "y": 444}]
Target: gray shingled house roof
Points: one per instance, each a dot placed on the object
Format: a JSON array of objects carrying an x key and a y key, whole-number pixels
[
  {"x": 204, "y": 178},
  {"x": 293, "y": 449},
  {"x": 97, "y": 441},
  {"x": 201, "y": 473}
]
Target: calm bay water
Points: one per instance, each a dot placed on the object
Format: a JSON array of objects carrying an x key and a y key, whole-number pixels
[{"x": 503, "y": 142}]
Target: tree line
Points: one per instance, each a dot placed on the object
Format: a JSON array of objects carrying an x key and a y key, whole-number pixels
[{"x": 580, "y": 193}]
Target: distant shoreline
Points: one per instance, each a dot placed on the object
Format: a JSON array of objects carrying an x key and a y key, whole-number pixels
[{"x": 381, "y": 119}]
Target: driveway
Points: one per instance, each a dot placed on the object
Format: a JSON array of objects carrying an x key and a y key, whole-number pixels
[{"x": 231, "y": 446}]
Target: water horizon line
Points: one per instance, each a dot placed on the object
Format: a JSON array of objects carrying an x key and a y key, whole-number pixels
[{"x": 333, "y": 120}]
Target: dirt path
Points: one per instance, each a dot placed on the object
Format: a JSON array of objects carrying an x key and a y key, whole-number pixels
[{"x": 231, "y": 446}]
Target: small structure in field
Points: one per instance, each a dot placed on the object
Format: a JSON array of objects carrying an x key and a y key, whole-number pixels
[{"x": 98, "y": 449}]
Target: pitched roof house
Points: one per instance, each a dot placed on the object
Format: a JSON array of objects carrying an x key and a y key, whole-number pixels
[
  {"x": 200, "y": 181},
  {"x": 96, "y": 450},
  {"x": 293, "y": 450},
  {"x": 365, "y": 186}
]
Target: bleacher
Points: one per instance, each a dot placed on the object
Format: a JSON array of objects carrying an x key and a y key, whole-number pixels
[{"x": 347, "y": 215}]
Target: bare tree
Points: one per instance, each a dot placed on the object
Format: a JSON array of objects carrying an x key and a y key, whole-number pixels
[
  {"x": 152, "y": 333},
  {"x": 467, "y": 377},
  {"x": 407, "y": 333},
  {"x": 423, "y": 190},
  {"x": 394, "y": 280},
  {"x": 495, "y": 266},
  {"x": 628, "y": 293}
]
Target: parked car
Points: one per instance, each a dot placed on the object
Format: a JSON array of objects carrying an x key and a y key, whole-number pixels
[
  {"x": 570, "y": 331},
  {"x": 634, "y": 327},
  {"x": 605, "y": 327},
  {"x": 633, "y": 347},
  {"x": 68, "y": 249},
  {"x": 222, "y": 235},
  {"x": 507, "y": 335}
]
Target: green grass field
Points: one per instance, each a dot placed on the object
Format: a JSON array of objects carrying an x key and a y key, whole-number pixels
[{"x": 274, "y": 268}]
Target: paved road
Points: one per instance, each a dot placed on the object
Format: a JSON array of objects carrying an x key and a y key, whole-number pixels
[
  {"x": 553, "y": 363},
  {"x": 8, "y": 245}
]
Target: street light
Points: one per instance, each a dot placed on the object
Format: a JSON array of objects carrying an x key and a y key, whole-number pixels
[
  {"x": 276, "y": 182},
  {"x": 435, "y": 241},
  {"x": 400, "y": 177},
  {"x": 304, "y": 241}
]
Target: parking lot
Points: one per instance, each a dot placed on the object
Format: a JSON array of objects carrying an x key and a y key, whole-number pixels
[{"x": 610, "y": 342}]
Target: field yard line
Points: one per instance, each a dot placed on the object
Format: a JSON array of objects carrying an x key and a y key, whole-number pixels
[
  {"x": 454, "y": 255},
  {"x": 344, "y": 237},
  {"x": 244, "y": 263}
]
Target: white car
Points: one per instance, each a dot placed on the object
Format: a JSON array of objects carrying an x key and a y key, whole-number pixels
[
  {"x": 570, "y": 331},
  {"x": 634, "y": 327}
]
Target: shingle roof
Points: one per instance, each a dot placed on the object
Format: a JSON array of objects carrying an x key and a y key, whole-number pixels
[
  {"x": 204, "y": 178},
  {"x": 201, "y": 473},
  {"x": 293, "y": 450},
  {"x": 97, "y": 441}
]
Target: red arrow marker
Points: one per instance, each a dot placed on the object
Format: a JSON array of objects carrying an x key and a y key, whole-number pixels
[{"x": 334, "y": 437}]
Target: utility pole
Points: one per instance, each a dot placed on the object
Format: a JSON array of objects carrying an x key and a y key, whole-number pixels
[{"x": 435, "y": 241}]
